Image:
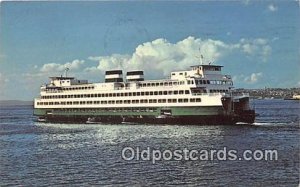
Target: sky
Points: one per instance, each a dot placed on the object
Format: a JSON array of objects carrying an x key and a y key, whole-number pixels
[{"x": 257, "y": 42}]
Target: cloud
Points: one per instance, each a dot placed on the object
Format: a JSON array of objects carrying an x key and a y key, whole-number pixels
[
  {"x": 253, "y": 78},
  {"x": 272, "y": 8},
  {"x": 160, "y": 56},
  {"x": 250, "y": 79},
  {"x": 55, "y": 67},
  {"x": 258, "y": 47}
]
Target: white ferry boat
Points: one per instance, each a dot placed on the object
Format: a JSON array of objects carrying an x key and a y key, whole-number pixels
[{"x": 200, "y": 95}]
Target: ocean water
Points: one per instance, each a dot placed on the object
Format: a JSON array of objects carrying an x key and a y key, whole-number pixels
[{"x": 39, "y": 154}]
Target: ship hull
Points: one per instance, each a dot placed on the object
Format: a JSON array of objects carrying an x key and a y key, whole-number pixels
[{"x": 213, "y": 115}]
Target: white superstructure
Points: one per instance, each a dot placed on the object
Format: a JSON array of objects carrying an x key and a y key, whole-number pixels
[{"x": 203, "y": 85}]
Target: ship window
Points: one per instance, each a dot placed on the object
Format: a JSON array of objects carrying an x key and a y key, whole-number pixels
[
  {"x": 165, "y": 93},
  {"x": 173, "y": 73},
  {"x": 155, "y": 93},
  {"x": 204, "y": 81},
  {"x": 114, "y": 94},
  {"x": 180, "y": 73},
  {"x": 153, "y": 84},
  {"x": 169, "y": 100},
  {"x": 138, "y": 93},
  {"x": 157, "y": 84},
  {"x": 180, "y": 100},
  {"x": 151, "y": 93},
  {"x": 189, "y": 82},
  {"x": 142, "y": 93},
  {"x": 192, "y": 100},
  {"x": 161, "y": 84},
  {"x": 147, "y": 93},
  {"x": 175, "y": 92},
  {"x": 185, "y": 100},
  {"x": 148, "y": 84},
  {"x": 208, "y": 82},
  {"x": 198, "y": 99},
  {"x": 181, "y": 91},
  {"x": 130, "y": 94},
  {"x": 160, "y": 93},
  {"x": 134, "y": 93},
  {"x": 170, "y": 92},
  {"x": 165, "y": 84}
]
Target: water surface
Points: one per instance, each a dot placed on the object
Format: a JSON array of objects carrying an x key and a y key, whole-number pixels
[{"x": 40, "y": 154}]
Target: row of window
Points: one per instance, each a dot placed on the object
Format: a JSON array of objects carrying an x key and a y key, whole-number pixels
[
  {"x": 217, "y": 91},
  {"x": 153, "y": 84},
  {"x": 135, "y": 109},
  {"x": 136, "y": 101},
  {"x": 146, "y": 93},
  {"x": 71, "y": 88},
  {"x": 210, "y": 82},
  {"x": 188, "y": 82}
]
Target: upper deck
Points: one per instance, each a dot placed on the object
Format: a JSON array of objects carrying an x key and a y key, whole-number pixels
[{"x": 202, "y": 77}]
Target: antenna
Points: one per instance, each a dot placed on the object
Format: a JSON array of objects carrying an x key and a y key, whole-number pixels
[
  {"x": 66, "y": 71},
  {"x": 200, "y": 57}
]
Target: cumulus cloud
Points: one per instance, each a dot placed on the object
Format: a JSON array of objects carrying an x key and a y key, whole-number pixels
[
  {"x": 158, "y": 58},
  {"x": 55, "y": 67},
  {"x": 272, "y": 8},
  {"x": 161, "y": 56}
]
